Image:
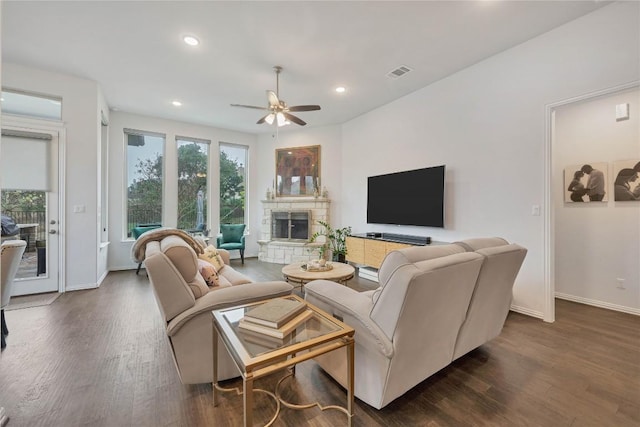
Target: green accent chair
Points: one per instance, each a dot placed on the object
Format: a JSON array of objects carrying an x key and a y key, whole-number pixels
[
  {"x": 138, "y": 230},
  {"x": 231, "y": 238}
]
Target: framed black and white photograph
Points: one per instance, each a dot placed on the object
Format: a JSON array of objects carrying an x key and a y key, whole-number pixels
[
  {"x": 626, "y": 184},
  {"x": 587, "y": 182}
]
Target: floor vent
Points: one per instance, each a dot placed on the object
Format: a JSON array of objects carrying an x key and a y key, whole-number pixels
[{"x": 399, "y": 72}]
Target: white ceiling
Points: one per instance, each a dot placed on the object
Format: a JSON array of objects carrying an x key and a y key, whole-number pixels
[{"x": 135, "y": 50}]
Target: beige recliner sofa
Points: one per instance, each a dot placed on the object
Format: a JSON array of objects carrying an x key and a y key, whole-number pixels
[
  {"x": 434, "y": 304},
  {"x": 186, "y": 302}
]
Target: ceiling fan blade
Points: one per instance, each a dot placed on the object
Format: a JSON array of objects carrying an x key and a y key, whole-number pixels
[
  {"x": 262, "y": 119},
  {"x": 294, "y": 119},
  {"x": 249, "y": 106},
  {"x": 273, "y": 99},
  {"x": 304, "y": 108}
]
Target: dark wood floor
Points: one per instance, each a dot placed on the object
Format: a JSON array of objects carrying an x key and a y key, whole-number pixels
[{"x": 100, "y": 358}]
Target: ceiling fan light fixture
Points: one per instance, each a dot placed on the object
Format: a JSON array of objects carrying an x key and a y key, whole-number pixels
[
  {"x": 270, "y": 118},
  {"x": 277, "y": 110}
]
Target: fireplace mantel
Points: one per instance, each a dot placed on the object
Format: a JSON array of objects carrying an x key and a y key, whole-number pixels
[{"x": 286, "y": 252}]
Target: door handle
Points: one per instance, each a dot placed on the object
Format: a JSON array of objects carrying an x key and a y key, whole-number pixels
[
  {"x": 52, "y": 222},
  {"x": 52, "y": 231}
]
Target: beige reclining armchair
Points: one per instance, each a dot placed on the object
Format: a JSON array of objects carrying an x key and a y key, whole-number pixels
[
  {"x": 406, "y": 330},
  {"x": 492, "y": 295},
  {"x": 434, "y": 304},
  {"x": 11, "y": 255},
  {"x": 186, "y": 302}
]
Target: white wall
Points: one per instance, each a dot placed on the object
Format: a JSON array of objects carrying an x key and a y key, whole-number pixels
[
  {"x": 487, "y": 124},
  {"x": 596, "y": 243},
  {"x": 120, "y": 247},
  {"x": 79, "y": 106},
  {"x": 330, "y": 140}
]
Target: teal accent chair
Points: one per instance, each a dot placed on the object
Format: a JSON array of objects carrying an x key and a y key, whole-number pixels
[
  {"x": 138, "y": 230},
  {"x": 231, "y": 238}
]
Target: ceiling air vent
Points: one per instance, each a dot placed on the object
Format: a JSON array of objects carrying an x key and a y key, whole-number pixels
[{"x": 399, "y": 72}]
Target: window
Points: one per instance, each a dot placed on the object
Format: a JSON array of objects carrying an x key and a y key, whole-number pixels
[
  {"x": 193, "y": 189},
  {"x": 31, "y": 105},
  {"x": 145, "y": 152},
  {"x": 233, "y": 184}
]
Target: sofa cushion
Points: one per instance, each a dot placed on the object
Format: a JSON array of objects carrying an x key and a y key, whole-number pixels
[
  {"x": 223, "y": 282},
  {"x": 397, "y": 258},
  {"x": 198, "y": 286},
  {"x": 172, "y": 292},
  {"x": 491, "y": 298},
  {"x": 212, "y": 256},
  {"x": 471, "y": 245},
  {"x": 234, "y": 277},
  {"x": 181, "y": 255},
  {"x": 208, "y": 273},
  {"x": 184, "y": 259}
]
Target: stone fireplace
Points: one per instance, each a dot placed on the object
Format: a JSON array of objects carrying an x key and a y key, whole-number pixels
[
  {"x": 287, "y": 226},
  {"x": 290, "y": 225}
]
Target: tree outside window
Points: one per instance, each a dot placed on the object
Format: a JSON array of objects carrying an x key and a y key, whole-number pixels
[
  {"x": 233, "y": 161},
  {"x": 144, "y": 179},
  {"x": 193, "y": 189}
]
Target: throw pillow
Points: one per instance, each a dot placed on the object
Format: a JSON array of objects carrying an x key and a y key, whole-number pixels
[
  {"x": 212, "y": 256},
  {"x": 208, "y": 272}
]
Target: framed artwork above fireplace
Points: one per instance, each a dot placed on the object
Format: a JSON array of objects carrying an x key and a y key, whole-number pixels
[{"x": 297, "y": 171}]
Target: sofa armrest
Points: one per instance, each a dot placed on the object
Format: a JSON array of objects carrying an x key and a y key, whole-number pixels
[
  {"x": 219, "y": 240},
  {"x": 351, "y": 307},
  {"x": 225, "y": 256},
  {"x": 230, "y": 297}
]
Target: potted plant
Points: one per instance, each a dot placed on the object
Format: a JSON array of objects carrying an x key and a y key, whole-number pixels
[{"x": 335, "y": 241}]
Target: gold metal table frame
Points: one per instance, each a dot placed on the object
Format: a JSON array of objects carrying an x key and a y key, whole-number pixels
[{"x": 253, "y": 367}]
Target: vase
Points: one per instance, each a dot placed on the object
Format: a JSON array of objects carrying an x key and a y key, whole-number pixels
[{"x": 340, "y": 258}]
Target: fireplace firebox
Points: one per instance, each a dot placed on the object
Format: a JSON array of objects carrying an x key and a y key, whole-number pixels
[{"x": 290, "y": 225}]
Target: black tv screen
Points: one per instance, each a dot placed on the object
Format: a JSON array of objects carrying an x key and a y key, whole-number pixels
[{"x": 414, "y": 197}]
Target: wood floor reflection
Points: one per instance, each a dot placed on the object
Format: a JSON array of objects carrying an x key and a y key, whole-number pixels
[{"x": 100, "y": 358}]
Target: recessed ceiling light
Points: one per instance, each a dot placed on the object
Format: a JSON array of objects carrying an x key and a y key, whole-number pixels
[
  {"x": 341, "y": 89},
  {"x": 191, "y": 40},
  {"x": 177, "y": 103}
]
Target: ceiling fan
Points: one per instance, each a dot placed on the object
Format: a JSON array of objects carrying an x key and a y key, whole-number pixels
[{"x": 279, "y": 111}]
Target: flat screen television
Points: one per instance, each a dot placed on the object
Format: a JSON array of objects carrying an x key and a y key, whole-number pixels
[{"x": 414, "y": 197}]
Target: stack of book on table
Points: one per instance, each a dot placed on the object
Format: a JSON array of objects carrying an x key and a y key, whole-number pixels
[{"x": 276, "y": 318}]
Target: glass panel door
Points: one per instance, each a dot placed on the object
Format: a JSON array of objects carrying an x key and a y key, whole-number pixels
[{"x": 30, "y": 197}]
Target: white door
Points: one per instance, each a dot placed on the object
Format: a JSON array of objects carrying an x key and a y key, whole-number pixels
[{"x": 30, "y": 180}]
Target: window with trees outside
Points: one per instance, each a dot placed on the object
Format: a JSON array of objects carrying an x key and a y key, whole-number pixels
[
  {"x": 193, "y": 189},
  {"x": 145, "y": 153},
  {"x": 233, "y": 172}
]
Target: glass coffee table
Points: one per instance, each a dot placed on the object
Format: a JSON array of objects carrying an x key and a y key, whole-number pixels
[{"x": 257, "y": 355}]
